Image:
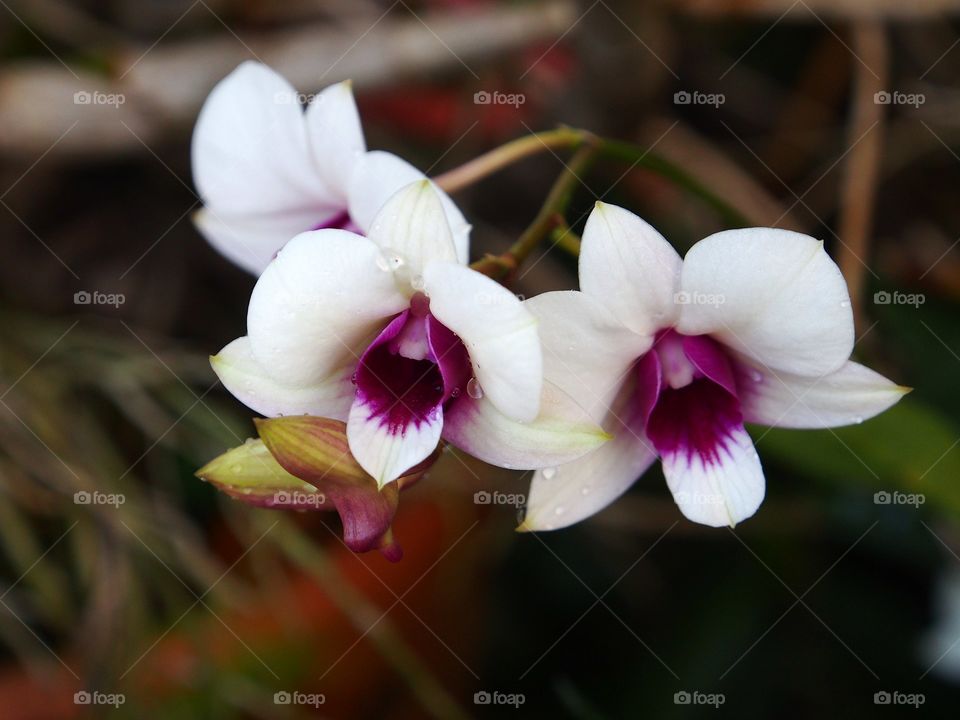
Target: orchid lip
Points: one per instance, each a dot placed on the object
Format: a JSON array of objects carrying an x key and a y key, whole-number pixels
[{"x": 411, "y": 370}]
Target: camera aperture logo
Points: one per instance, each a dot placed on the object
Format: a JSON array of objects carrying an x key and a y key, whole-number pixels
[
  {"x": 685, "y": 97},
  {"x": 686, "y": 697},
  {"x": 698, "y": 298},
  {"x": 484, "y": 697},
  {"x": 84, "y": 697},
  {"x": 486, "y": 497},
  {"x": 896, "y": 497},
  {"x": 85, "y": 497},
  {"x": 85, "y": 97},
  {"x": 313, "y": 700},
  {"x": 86, "y": 297},
  {"x": 485, "y": 97}
]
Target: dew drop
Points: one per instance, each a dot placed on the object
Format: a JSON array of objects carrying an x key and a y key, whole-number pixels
[
  {"x": 858, "y": 420},
  {"x": 585, "y": 490},
  {"x": 236, "y": 469},
  {"x": 473, "y": 389},
  {"x": 560, "y": 510},
  {"x": 549, "y": 473},
  {"x": 757, "y": 376},
  {"x": 353, "y": 378},
  {"x": 455, "y": 392},
  {"x": 845, "y": 304}
]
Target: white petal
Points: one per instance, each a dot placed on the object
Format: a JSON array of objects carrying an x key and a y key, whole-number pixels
[
  {"x": 412, "y": 224},
  {"x": 378, "y": 176},
  {"x": 318, "y": 303},
  {"x": 252, "y": 241},
  {"x": 335, "y": 137},
  {"x": 498, "y": 331},
  {"x": 586, "y": 351},
  {"x": 721, "y": 492},
  {"x": 569, "y": 493},
  {"x": 384, "y": 452},
  {"x": 847, "y": 396},
  {"x": 630, "y": 268},
  {"x": 774, "y": 295},
  {"x": 246, "y": 380},
  {"x": 561, "y": 432},
  {"x": 249, "y": 150}
]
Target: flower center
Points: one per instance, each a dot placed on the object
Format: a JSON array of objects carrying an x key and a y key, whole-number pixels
[
  {"x": 688, "y": 396},
  {"x": 411, "y": 369}
]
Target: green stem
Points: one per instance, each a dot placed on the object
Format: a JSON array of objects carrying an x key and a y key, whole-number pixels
[
  {"x": 550, "y": 217},
  {"x": 368, "y": 619},
  {"x": 509, "y": 153}
]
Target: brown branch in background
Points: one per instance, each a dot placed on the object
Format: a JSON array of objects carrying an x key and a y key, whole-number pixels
[
  {"x": 163, "y": 87},
  {"x": 865, "y": 135},
  {"x": 831, "y": 9}
]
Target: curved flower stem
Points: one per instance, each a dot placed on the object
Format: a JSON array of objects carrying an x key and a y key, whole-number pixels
[
  {"x": 310, "y": 557},
  {"x": 509, "y": 153},
  {"x": 565, "y": 239},
  {"x": 550, "y": 217}
]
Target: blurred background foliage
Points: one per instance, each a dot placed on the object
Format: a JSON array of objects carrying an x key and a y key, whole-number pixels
[{"x": 194, "y": 606}]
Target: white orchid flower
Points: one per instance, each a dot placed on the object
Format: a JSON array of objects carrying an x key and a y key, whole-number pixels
[
  {"x": 672, "y": 357},
  {"x": 392, "y": 334},
  {"x": 267, "y": 170}
]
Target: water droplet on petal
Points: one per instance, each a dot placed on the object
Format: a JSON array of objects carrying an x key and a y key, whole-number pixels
[
  {"x": 549, "y": 473},
  {"x": 845, "y": 304},
  {"x": 473, "y": 389},
  {"x": 858, "y": 420},
  {"x": 236, "y": 468},
  {"x": 455, "y": 392},
  {"x": 756, "y": 376},
  {"x": 560, "y": 510},
  {"x": 417, "y": 283},
  {"x": 353, "y": 378},
  {"x": 585, "y": 490}
]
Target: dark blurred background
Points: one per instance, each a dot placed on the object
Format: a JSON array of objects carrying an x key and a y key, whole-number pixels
[{"x": 839, "y": 119}]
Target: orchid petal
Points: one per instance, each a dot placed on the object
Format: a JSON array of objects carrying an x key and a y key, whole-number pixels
[
  {"x": 847, "y": 396},
  {"x": 571, "y": 492},
  {"x": 380, "y": 175},
  {"x": 562, "y": 432},
  {"x": 252, "y": 241},
  {"x": 630, "y": 268},
  {"x": 412, "y": 225},
  {"x": 586, "y": 351},
  {"x": 773, "y": 295},
  {"x": 499, "y": 332},
  {"x": 387, "y": 451},
  {"x": 709, "y": 461},
  {"x": 317, "y": 304},
  {"x": 250, "y": 150},
  {"x": 335, "y": 137},
  {"x": 247, "y": 381}
]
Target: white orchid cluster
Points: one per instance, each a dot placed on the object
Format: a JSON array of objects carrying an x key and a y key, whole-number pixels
[{"x": 370, "y": 341}]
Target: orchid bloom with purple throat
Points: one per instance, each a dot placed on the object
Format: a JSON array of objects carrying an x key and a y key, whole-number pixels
[
  {"x": 673, "y": 356},
  {"x": 395, "y": 336},
  {"x": 267, "y": 170}
]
